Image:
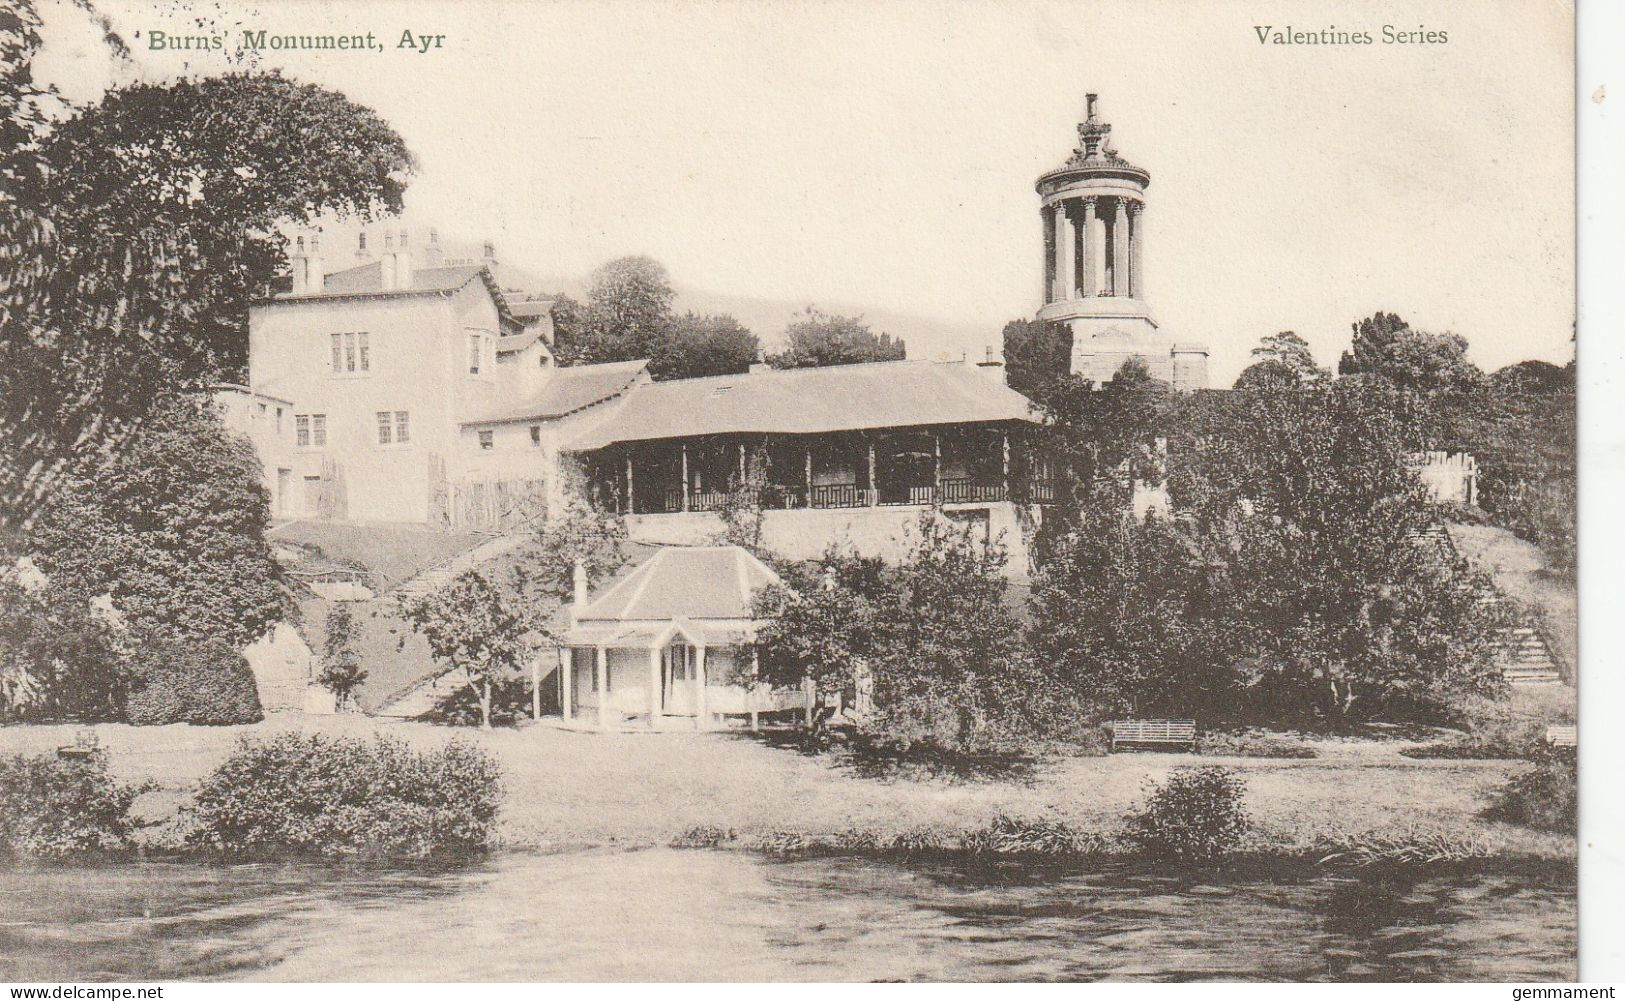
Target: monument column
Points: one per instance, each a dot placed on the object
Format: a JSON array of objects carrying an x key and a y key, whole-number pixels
[
  {"x": 1065, "y": 278},
  {"x": 1136, "y": 245},
  {"x": 1120, "y": 249},
  {"x": 1091, "y": 267}
]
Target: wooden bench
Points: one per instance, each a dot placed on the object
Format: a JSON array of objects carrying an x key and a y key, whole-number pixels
[
  {"x": 1153, "y": 734},
  {"x": 1563, "y": 736},
  {"x": 85, "y": 747}
]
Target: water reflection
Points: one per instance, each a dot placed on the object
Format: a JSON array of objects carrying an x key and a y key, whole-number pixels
[{"x": 666, "y": 915}]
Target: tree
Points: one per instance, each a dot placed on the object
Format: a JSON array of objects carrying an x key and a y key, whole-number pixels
[
  {"x": 1036, "y": 354},
  {"x": 1281, "y": 360},
  {"x": 630, "y": 299},
  {"x": 628, "y": 317},
  {"x": 58, "y": 655},
  {"x": 824, "y": 622},
  {"x": 172, "y": 528},
  {"x": 342, "y": 672},
  {"x": 146, "y": 224},
  {"x": 473, "y": 626},
  {"x": 1292, "y": 351},
  {"x": 1386, "y": 347},
  {"x": 818, "y": 338},
  {"x": 699, "y": 345},
  {"x": 1308, "y": 499}
]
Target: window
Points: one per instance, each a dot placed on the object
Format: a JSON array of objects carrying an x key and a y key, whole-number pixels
[
  {"x": 310, "y": 430},
  {"x": 279, "y": 420},
  {"x": 535, "y": 436},
  {"x": 475, "y": 350},
  {"x": 403, "y": 431},
  {"x": 350, "y": 353},
  {"x": 487, "y": 441},
  {"x": 385, "y": 427},
  {"x": 262, "y": 408}
]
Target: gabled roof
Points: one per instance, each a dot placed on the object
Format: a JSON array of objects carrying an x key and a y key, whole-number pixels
[
  {"x": 531, "y": 308},
  {"x": 683, "y": 582},
  {"x": 811, "y": 401},
  {"x": 367, "y": 280},
  {"x": 570, "y": 389}
]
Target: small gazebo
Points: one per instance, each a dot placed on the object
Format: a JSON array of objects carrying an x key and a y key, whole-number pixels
[{"x": 670, "y": 644}]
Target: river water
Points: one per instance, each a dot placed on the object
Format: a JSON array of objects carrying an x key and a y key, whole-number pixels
[{"x": 669, "y": 915}]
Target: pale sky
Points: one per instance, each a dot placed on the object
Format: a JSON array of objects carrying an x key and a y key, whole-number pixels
[{"x": 881, "y": 156}]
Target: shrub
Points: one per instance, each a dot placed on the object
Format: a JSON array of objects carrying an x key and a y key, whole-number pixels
[
  {"x": 1019, "y": 836},
  {"x": 51, "y": 808},
  {"x": 191, "y": 681},
  {"x": 1196, "y": 816},
  {"x": 1545, "y": 796},
  {"x": 1493, "y": 731},
  {"x": 1249, "y": 745},
  {"x": 1401, "y": 848},
  {"x": 782, "y": 843},
  {"x": 306, "y": 794},
  {"x": 510, "y": 704},
  {"x": 703, "y": 836}
]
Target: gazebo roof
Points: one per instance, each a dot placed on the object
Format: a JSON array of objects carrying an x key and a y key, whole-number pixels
[{"x": 681, "y": 583}]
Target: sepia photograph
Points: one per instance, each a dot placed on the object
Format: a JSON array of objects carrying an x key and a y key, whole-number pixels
[{"x": 746, "y": 491}]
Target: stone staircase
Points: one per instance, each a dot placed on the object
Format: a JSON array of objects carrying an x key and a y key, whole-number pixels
[
  {"x": 441, "y": 574},
  {"x": 1526, "y": 659},
  {"x": 1524, "y": 656},
  {"x": 423, "y": 695}
]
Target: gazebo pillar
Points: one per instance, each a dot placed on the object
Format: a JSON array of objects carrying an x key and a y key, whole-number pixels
[
  {"x": 809, "y": 500},
  {"x": 1005, "y": 459},
  {"x": 567, "y": 670},
  {"x": 630, "y": 507},
  {"x": 654, "y": 687},
  {"x": 702, "y": 720},
  {"x": 536, "y": 686},
  {"x": 685, "y": 476},
  {"x": 936, "y": 467},
  {"x": 874, "y": 488},
  {"x": 601, "y": 679}
]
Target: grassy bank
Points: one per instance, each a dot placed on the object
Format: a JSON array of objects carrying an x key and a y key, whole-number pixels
[{"x": 626, "y": 789}]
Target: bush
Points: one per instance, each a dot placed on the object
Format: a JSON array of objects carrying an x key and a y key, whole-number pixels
[
  {"x": 1546, "y": 796},
  {"x": 1401, "y": 848},
  {"x": 1248, "y": 745},
  {"x": 1196, "y": 816},
  {"x": 703, "y": 836},
  {"x": 305, "y": 794},
  {"x": 1492, "y": 732},
  {"x": 191, "y": 681},
  {"x": 51, "y": 808},
  {"x": 1018, "y": 837}
]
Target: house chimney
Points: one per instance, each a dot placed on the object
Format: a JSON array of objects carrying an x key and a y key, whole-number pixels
[
  {"x": 403, "y": 264},
  {"x": 315, "y": 275},
  {"x": 361, "y": 254},
  {"x": 490, "y": 253},
  {"x": 298, "y": 264},
  {"x": 579, "y": 578},
  {"x": 386, "y": 264},
  {"x": 992, "y": 366},
  {"x": 432, "y": 256}
]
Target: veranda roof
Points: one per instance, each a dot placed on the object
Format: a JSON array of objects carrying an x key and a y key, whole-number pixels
[
  {"x": 568, "y": 390},
  {"x": 811, "y": 401}
]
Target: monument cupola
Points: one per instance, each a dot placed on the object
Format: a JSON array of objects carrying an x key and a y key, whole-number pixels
[{"x": 1093, "y": 213}]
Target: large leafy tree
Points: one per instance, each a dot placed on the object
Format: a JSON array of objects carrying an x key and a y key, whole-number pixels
[
  {"x": 1281, "y": 360},
  {"x": 628, "y": 315},
  {"x": 172, "y": 528},
  {"x": 1036, "y": 354},
  {"x": 817, "y": 338},
  {"x": 474, "y": 625},
  {"x": 141, "y": 228},
  {"x": 1387, "y": 347},
  {"x": 698, "y": 345}
]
